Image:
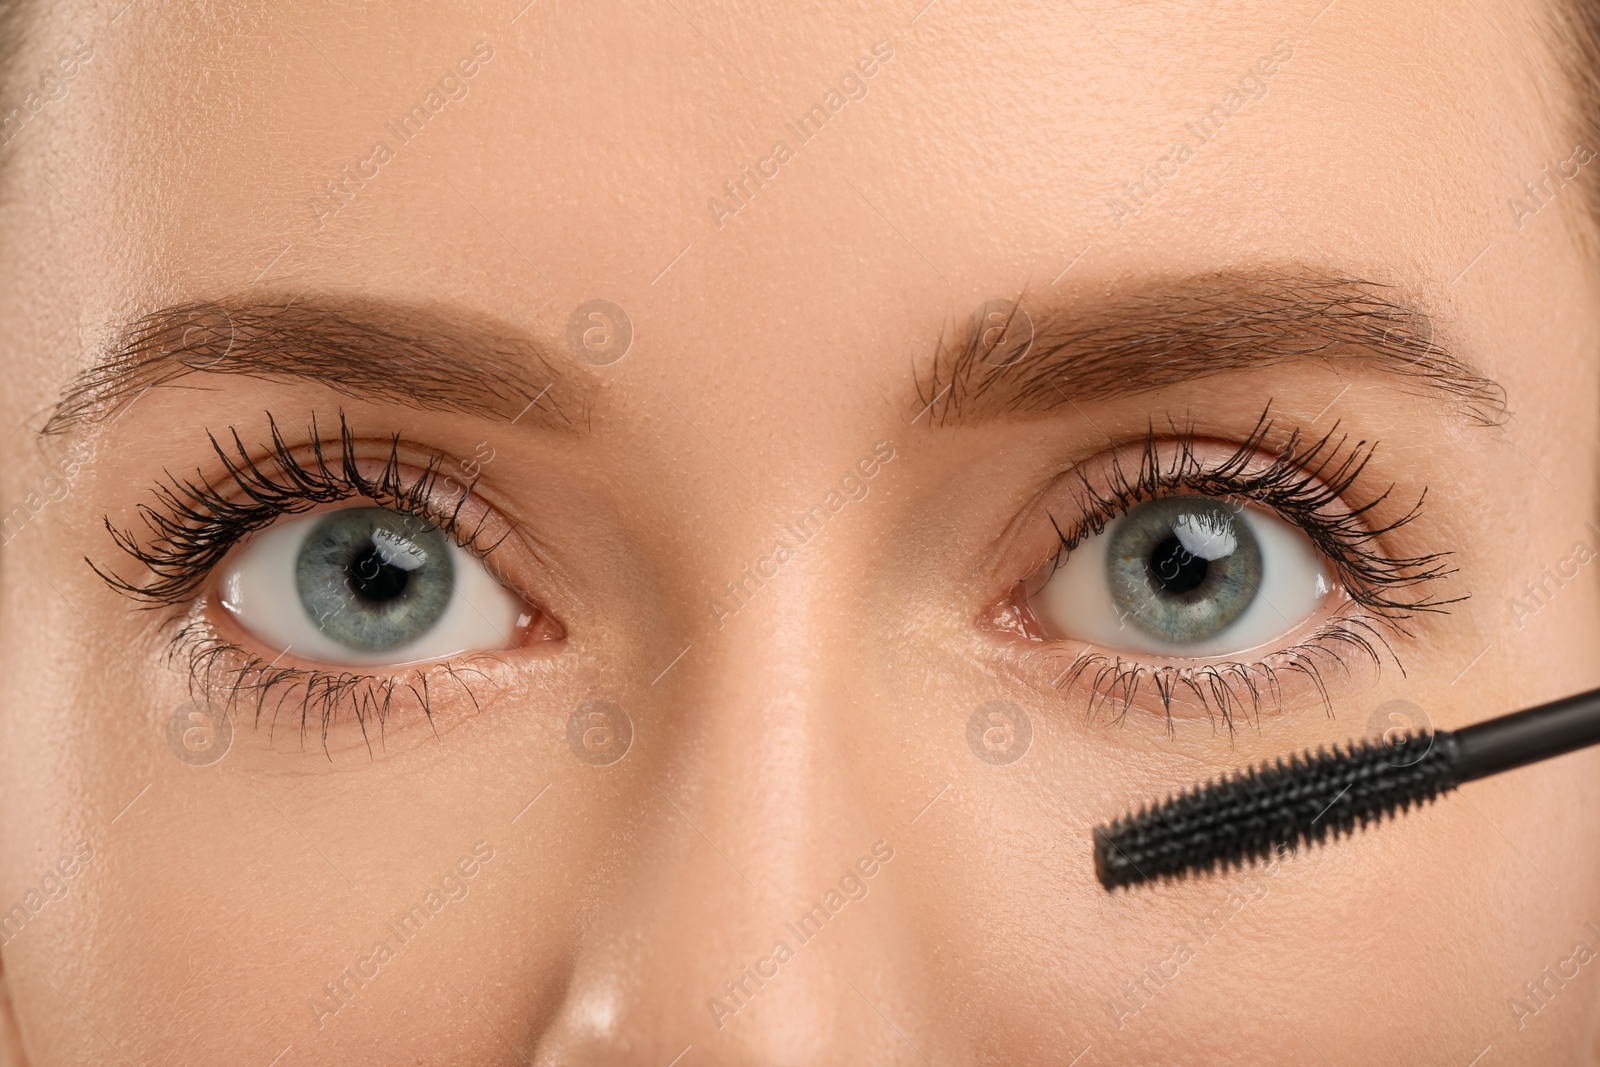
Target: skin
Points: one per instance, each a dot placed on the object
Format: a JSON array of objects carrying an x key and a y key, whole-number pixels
[{"x": 831, "y": 712}]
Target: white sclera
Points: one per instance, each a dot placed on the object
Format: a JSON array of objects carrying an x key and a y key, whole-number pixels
[
  {"x": 1076, "y": 601},
  {"x": 258, "y": 589}
]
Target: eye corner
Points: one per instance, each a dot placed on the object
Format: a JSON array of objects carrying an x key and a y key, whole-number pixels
[{"x": 1013, "y": 615}]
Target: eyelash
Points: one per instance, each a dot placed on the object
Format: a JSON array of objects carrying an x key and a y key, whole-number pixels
[
  {"x": 1304, "y": 483},
  {"x": 194, "y": 524}
]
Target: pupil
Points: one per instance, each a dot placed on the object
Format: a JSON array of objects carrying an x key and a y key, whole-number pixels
[
  {"x": 1175, "y": 568},
  {"x": 374, "y": 579}
]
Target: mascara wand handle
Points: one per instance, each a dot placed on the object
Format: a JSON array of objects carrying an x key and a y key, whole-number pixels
[{"x": 1524, "y": 737}]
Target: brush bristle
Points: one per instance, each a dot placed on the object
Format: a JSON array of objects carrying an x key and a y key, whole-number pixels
[{"x": 1284, "y": 802}]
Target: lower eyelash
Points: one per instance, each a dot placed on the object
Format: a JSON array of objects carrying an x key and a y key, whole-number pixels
[
  {"x": 218, "y": 666},
  {"x": 1230, "y": 691}
]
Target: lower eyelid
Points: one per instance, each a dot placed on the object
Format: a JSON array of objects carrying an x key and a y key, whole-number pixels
[
  {"x": 330, "y": 712},
  {"x": 1227, "y": 692}
]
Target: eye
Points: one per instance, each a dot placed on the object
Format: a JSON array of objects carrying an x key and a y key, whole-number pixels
[
  {"x": 1185, "y": 576},
  {"x": 367, "y": 585}
]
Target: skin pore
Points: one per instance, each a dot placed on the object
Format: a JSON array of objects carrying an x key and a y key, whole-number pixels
[{"x": 242, "y": 220}]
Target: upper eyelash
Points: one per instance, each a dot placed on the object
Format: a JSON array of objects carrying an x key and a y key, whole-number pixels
[
  {"x": 194, "y": 524},
  {"x": 1302, "y": 483}
]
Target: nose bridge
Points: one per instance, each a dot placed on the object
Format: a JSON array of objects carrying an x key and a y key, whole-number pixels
[
  {"x": 768, "y": 739},
  {"x": 758, "y": 911}
]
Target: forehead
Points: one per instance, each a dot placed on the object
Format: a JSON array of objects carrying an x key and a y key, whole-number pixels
[{"x": 794, "y": 183}]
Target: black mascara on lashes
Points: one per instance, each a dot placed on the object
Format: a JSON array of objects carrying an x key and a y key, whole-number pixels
[{"x": 193, "y": 523}]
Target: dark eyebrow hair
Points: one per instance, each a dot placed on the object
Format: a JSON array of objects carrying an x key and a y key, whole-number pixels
[
  {"x": 1175, "y": 331},
  {"x": 364, "y": 350}
]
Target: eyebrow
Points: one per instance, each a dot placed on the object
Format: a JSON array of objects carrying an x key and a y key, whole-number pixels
[
  {"x": 366, "y": 351},
  {"x": 1177, "y": 331}
]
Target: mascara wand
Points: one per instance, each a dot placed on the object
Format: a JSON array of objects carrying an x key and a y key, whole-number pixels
[{"x": 1251, "y": 813}]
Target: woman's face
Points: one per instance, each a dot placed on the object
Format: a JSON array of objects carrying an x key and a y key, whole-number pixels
[{"x": 653, "y": 534}]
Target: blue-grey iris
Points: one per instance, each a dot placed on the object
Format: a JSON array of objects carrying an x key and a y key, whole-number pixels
[
  {"x": 1182, "y": 568},
  {"x": 373, "y": 579}
]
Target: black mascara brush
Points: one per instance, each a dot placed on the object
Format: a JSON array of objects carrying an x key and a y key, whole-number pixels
[{"x": 1251, "y": 813}]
